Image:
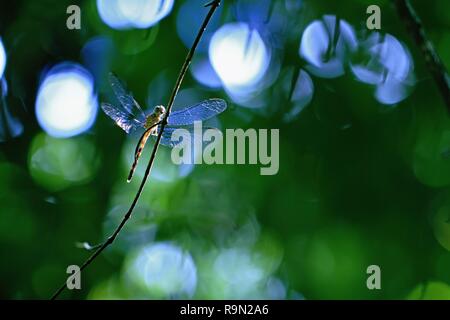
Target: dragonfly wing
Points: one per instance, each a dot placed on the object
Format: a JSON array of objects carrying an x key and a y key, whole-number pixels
[
  {"x": 123, "y": 119},
  {"x": 198, "y": 112},
  {"x": 169, "y": 139},
  {"x": 125, "y": 98},
  {"x": 166, "y": 137}
]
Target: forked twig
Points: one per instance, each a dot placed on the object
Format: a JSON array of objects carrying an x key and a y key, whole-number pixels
[
  {"x": 213, "y": 4},
  {"x": 433, "y": 62}
]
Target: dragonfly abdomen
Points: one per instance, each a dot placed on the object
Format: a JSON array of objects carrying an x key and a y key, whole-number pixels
[{"x": 138, "y": 151}]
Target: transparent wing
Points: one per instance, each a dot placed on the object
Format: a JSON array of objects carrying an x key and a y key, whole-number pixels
[
  {"x": 166, "y": 137},
  {"x": 125, "y": 98},
  {"x": 123, "y": 119},
  {"x": 198, "y": 112},
  {"x": 169, "y": 139}
]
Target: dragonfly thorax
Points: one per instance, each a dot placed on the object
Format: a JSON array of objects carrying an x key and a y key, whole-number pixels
[{"x": 155, "y": 117}]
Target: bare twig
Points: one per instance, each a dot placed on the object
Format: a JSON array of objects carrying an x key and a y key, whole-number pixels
[
  {"x": 213, "y": 4},
  {"x": 434, "y": 63}
]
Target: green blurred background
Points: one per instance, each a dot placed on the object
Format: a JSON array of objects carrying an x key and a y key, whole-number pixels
[{"x": 359, "y": 183}]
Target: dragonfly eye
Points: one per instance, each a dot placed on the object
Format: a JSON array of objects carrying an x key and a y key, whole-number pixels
[{"x": 160, "y": 110}]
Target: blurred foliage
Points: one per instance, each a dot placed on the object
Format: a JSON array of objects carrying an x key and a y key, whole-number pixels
[{"x": 360, "y": 183}]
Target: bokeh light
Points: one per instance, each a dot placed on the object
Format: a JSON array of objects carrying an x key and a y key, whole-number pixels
[
  {"x": 66, "y": 104},
  {"x": 59, "y": 163},
  {"x": 399, "y": 67},
  {"x": 430, "y": 290},
  {"x": 302, "y": 95},
  {"x": 391, "y": 92},
  {"x": 238, "y": 55},
  {"x": 388, "y": 65},
  {"x": 293, "y": 5},
  {"x": 254, "y": 12},
  {"x": 2, "y": 58},
  {"x": 275, "y": 289},
  {"x": 164, "y": 270},
  {"x": 440, "y": 222},
  {"x": 431, "y": 151},
  {"x": 97, "y": 55},
  {"x": 239, "y": 273},
  {"x": 185, "y": 26},
  {"x": 270, "y": 18},
  {"x": 204, "y": 73},
  {"x": 10, "y": 126},
  {"x": 325, "y": 52},
  {"x": 128, "y": 14}
]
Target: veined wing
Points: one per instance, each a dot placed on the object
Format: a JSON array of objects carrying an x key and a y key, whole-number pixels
[
  {"x": 125, "y": 98},
  {"x": 166, "y": 137},
  {"x": 198, "y": 112},
  {"x": 123, "y": 119}
]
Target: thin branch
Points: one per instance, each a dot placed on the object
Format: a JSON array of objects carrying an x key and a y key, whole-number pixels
[
  {"x": 213, "y": 4},
  {"x": 434, "y": 63}
]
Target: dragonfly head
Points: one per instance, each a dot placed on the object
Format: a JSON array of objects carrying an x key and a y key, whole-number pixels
[{"x": 159, "y": 111}]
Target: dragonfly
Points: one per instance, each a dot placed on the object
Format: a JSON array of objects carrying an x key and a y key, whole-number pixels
[{"x": 129, "y": 116}]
